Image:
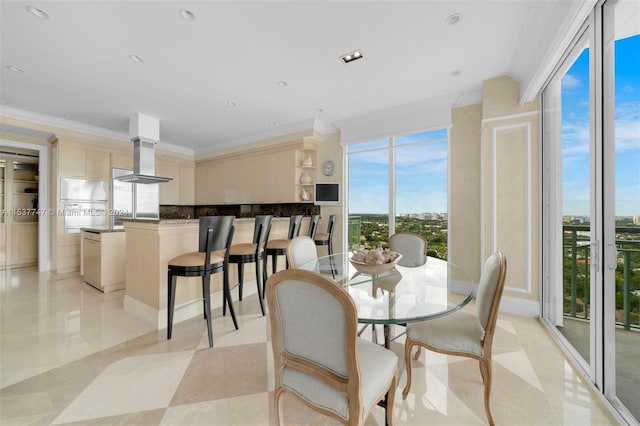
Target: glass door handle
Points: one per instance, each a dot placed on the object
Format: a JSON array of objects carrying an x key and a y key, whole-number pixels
[{"x": 612, "y": 261}]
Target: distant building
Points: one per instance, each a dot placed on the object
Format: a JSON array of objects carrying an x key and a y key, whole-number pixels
[{"x": 636, "y": 219}]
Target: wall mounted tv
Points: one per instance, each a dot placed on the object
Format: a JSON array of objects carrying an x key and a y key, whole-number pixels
[{"x": 327, "y": 194}]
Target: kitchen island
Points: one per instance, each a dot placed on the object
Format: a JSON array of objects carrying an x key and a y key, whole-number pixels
[{"x": 150, "y": 244}]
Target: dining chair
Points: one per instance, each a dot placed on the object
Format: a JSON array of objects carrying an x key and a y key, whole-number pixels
[
  {"x": 278, "y": 247},
  {"x": 318, "y": 357},
  {"x": 326, "y": 238},
  {"x": 301, "y": 251},
  {"x": 413, "y": 248},
  {"x": 313, "y": 225},
  {"x": 254, "y": 252},
  {"x": 465, "y": 334},
  {"x": 215, "y": 235}
]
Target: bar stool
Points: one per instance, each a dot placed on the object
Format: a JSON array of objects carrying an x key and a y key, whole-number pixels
[
  {"x": 253, "y": 252},
  {"x": 313, "y": 225},
  {"x": 216, "y": 233},
  {"x": 326, "y": 238},
  {"x": 278, "y": 247}
]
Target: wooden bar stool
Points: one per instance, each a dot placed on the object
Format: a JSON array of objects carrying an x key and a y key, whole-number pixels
[
  {"x": 253, "y": 252},
  {"x": 278, "y": 247},
  {"x": 326, "y": 238},
  {"x": 216, "y": 233}
]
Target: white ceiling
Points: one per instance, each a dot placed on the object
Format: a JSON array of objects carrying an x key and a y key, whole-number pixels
[{"x": 76, "y": 63}]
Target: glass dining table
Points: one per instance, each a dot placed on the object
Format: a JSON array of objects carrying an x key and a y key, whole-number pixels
[{"x": 402, "y": 294}]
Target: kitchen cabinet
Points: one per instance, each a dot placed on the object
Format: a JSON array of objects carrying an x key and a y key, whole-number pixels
[
  {"x": 83, "y": 162},
  {"x": 180, "y": 190},
  {"x": 24, "y": 243},
  {"x": 104, "y": 259}
]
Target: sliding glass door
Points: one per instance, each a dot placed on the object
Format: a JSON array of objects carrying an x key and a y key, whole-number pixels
[{"x": 591, "y": 139}]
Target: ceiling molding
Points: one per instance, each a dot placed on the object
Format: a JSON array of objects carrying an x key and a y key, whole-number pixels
[
  {"x": 63, "y": 123},
  {"x": 549, "y": 54}
]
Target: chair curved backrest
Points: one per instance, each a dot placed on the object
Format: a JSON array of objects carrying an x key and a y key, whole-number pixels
[
  {"x": 412, "y": 247},
  {"x": 313, "y": 225},
  {"x": 317, "y": 354},
  {"x": 490, "y": 288},
  {"x": 261, "y": 230},
  {"x": 301, "y": 251},
  {"x": 295, "y": 223},
  {"x": 221, "y": 225},
  {"x": 331, "y": 225}
]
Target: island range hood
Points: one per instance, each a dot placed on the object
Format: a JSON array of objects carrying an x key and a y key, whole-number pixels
[{"x": 146, "y": 132}]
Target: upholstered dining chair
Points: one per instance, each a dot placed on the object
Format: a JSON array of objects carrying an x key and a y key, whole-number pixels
[
  {"x": 278, "y": 247},
  {"x": 318, "y": 357},
  {"x": 326, "y": 238},
  {"x": 254, "y": 252},
  {"x": 215, "y": 235},
  {"x": 413, "y": 248},
  {"x": 462, "y": 333},
  {"x": 301, "y": 251}
]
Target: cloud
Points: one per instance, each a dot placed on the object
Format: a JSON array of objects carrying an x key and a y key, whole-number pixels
[{"x": 569, "y": 82}]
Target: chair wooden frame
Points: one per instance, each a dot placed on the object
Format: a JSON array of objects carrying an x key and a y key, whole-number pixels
[
  {"x": 254, "y": 252},
  {"x": 485, "y": 360},
  {"x": 206, "y": 245},
  {"x": 351, "y": 385}
]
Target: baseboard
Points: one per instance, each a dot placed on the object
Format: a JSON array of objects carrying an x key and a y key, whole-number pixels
[{"x": 158, "y": 318}]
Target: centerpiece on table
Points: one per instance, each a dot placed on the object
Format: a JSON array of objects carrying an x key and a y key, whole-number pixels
[{"x": 374, "y": 261}]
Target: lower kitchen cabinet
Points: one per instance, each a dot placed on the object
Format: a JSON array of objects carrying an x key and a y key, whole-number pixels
[{"x": 103, "y": 259}]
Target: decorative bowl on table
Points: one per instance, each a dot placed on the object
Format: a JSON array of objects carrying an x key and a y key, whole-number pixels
[{"x": 374, "y": 262}]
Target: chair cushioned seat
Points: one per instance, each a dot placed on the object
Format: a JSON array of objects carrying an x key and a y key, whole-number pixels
[
  {"x": 377, "y": 367},
  {"x": 322, "y": 236},
  {"x": 196, "y": 258},
  {"x": 244, "y": 248},
  {"x": 278, "y": 244},
  {"x": 458, "y": 332}
]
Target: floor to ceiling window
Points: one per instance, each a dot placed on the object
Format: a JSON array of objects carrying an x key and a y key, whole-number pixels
[
  {"x": 591, "y": 139},
  {"x": 399, "y": 184}
]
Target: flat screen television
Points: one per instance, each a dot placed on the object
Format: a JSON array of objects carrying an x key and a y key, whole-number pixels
[{"x": 327, "y": 194}]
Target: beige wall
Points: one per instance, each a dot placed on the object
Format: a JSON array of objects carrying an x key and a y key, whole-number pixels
[{"x": 464, "y": 189}]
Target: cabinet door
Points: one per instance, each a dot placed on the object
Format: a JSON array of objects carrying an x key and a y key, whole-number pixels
[
  {"x": 186, "y": 180},
  {"x": 122, "y": 161},
  {"x": 72, "y": 161},
  {"x": 24, "y": 243},
  {"x": 168, "y": 190},
  {"x": 98, "y": 165}
]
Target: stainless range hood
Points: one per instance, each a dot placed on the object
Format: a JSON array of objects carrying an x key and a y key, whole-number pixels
[
  {"x": 145, "y": 132},
  {"x": 143, "y": 163}
]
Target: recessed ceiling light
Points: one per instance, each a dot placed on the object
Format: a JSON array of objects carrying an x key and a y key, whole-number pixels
[
  {"x": 15, "y": 69},
  {"x": 272, "y": 123},
  {"x": 136, "y": 58},
  {"x": 37, "y": 12},
  {"x": 455, "y": 73},
  {"x": 453, "y": 19},
  {"x": 283, "y": 83},
  {"x": 352, "y": 56},
  {"x": 319, "y": 110},
  {"x": 187, "y": 15},
  {"x": 231, "y": 103}
]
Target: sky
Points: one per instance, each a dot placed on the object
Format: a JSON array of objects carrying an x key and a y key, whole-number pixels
[
  {"x": 421, "y": 174},
  {"x": 575, "y": 132}
]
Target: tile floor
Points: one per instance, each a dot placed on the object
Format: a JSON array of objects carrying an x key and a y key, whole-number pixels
[{"x": 71, "y": 355}]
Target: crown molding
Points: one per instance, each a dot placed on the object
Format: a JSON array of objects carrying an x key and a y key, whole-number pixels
[{"x": 63, "y": 123}]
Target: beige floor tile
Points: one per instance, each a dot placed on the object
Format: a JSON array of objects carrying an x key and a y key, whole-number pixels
[
  {"x": 133, "y": 384},
  {"x": 245, "y": 410}
]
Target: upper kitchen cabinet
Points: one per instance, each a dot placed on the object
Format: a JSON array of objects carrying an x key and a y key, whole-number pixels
[
  {"x": 82, "y": 162},
  {"x": 264, "y": 175},
  {"x": 179, "y": 190}
]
